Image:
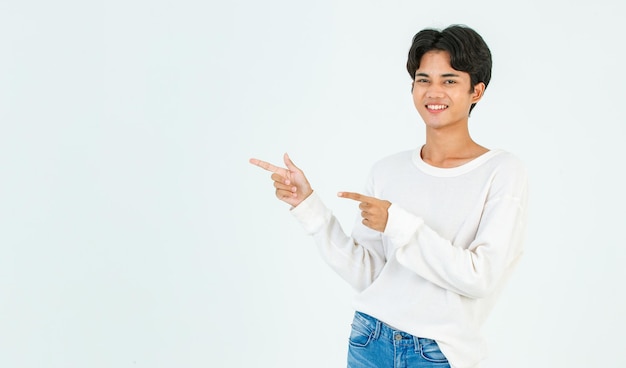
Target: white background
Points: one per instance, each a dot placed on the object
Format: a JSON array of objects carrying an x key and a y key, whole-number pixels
[{"x": 133, "y": 232}]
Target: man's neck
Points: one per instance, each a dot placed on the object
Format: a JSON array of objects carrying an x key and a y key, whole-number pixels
[{"x": 450, "y": 150}]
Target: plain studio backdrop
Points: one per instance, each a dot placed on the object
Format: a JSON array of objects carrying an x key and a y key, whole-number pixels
[{"x": 134, "y": 232}]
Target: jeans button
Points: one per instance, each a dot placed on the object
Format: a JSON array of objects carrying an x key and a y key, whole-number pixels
[{"x": 398, "y": 337}]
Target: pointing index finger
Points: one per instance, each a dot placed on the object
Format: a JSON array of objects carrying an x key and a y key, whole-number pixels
[
  {"x": 267, "y": 166},
  {"x": 354, "y": 196}
]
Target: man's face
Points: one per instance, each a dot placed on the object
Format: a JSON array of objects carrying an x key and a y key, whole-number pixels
[{"x": 441, "y": 94}]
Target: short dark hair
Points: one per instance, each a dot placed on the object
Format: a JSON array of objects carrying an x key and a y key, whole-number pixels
[{"x": 468, "y": 52}]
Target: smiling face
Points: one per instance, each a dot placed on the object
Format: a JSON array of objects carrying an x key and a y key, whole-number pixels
[{"x": 441, "y": 94}]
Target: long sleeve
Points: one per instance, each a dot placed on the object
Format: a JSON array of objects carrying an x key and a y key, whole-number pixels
[
  {"x": 357, "y": 263},
  {"x": 491, "y": 241}
]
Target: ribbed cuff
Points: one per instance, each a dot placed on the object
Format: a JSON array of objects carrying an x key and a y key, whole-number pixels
[
  {"x": 312, "y": 213},
  {"x": 401, "y": 226}
]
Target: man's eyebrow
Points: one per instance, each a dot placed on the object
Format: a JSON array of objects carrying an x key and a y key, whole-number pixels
[{"x": 446, "y": 75}]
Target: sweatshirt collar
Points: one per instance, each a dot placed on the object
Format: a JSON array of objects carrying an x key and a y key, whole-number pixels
[{"x": 452, "y": 171}]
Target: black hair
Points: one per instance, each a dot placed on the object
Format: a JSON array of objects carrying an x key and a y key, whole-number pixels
[{"x": 468, "y": 52}]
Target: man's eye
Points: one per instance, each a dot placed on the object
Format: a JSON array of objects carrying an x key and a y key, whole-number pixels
[
  {"x": 450, "y": 81},
  {"x": 421, "y": 80}
]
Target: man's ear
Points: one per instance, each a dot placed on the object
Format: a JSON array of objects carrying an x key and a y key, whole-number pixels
[{"x": 479, "y": 90}]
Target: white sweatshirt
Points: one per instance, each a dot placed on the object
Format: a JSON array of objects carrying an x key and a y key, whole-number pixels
[{"x": 452, "y": 238}]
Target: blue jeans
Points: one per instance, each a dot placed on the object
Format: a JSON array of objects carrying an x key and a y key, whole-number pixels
[{"x": 373, "y": 344}]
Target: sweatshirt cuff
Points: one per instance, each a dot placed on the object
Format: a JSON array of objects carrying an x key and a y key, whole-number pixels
[
  {"x": 312, "y": 213},
  {"x": 401, "y": 226}
]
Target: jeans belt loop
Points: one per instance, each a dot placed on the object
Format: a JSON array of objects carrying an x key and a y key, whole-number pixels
[
  {"x": 418, "y": 344},
  {"x": 377, "y": 330}
]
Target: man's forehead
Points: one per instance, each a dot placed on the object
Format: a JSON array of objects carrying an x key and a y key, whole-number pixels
[{"x": 437, "y": 63}]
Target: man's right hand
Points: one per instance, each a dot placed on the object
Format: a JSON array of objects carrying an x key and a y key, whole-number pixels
[{"x": 291, "y": 185}]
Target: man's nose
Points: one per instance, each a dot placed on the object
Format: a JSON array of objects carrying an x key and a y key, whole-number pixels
[{"x": 434, "y": 91}]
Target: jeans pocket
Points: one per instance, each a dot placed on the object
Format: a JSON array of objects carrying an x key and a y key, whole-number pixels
[
  {"x": 431, "y": 352},
  {"x": 363, "y": 329}
]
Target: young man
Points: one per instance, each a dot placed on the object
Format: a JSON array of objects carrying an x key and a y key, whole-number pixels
[{"x": 442, "y": 225}]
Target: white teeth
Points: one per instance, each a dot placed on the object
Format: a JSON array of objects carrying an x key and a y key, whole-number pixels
[{"x": 436, "y": 107}]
